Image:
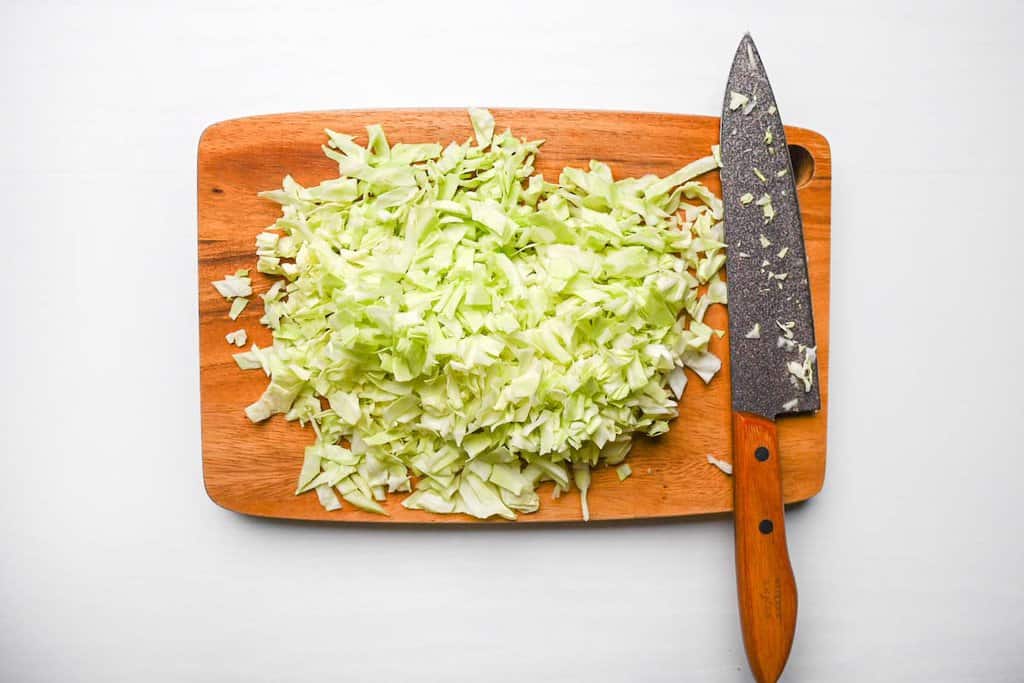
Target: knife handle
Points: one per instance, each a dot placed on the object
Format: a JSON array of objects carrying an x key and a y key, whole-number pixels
[{"x": 764, "y": 577}]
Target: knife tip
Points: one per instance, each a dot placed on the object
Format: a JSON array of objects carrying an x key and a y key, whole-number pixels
[{"x": 748, "y": 48}]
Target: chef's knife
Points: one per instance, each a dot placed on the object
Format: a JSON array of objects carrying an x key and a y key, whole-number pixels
[{"x": 771, "y": 349}]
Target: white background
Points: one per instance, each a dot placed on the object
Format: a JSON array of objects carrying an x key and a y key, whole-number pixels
[{"x": 115, "y": 566}]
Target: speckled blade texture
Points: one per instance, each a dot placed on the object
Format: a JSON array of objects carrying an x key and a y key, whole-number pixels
[{"x": 765, "y": 289}]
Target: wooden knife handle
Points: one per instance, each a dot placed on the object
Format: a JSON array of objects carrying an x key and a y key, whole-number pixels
[{"x": 764, "y": 577}]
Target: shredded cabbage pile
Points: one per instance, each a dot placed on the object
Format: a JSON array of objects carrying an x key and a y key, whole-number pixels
[{"x": 454, "y": 326}]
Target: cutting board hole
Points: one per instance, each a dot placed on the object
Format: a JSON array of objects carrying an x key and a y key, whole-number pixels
[{"x": 803, "y": 165}]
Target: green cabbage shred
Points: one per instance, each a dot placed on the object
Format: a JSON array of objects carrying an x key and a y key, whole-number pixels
[{"x": 456, "y": 327}]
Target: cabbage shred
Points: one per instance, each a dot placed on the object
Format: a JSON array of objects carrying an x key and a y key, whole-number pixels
[{"x": 455, "y": 326}]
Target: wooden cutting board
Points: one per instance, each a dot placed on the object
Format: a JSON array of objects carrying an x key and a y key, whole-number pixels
[{"x": 252, "y": 469}]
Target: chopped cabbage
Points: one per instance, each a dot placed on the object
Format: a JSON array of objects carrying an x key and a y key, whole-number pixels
[
  {"x": 327, "y": 498},
  {"x": 581, "y": 477},
  {"x": 249, "y": 360},
  {"x": 804, "y": 370},
  {"x": 737, "y": 100},
  {"x": 723, "y": 465},
  {"x": 765, "y": 202},
  {"x": 235, "y": 285},
  {"x": 237, "y": 306},
  {"x": 238, "y": 338},
  {"x": 470, "y": 329}
]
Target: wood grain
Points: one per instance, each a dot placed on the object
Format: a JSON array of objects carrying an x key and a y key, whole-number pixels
[
  {"x": 252, "y": 468},
  {"x": 764, "y": 576}
]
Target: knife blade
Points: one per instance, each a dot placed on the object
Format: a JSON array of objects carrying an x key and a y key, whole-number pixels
[{"x": 771, "y": 345}]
